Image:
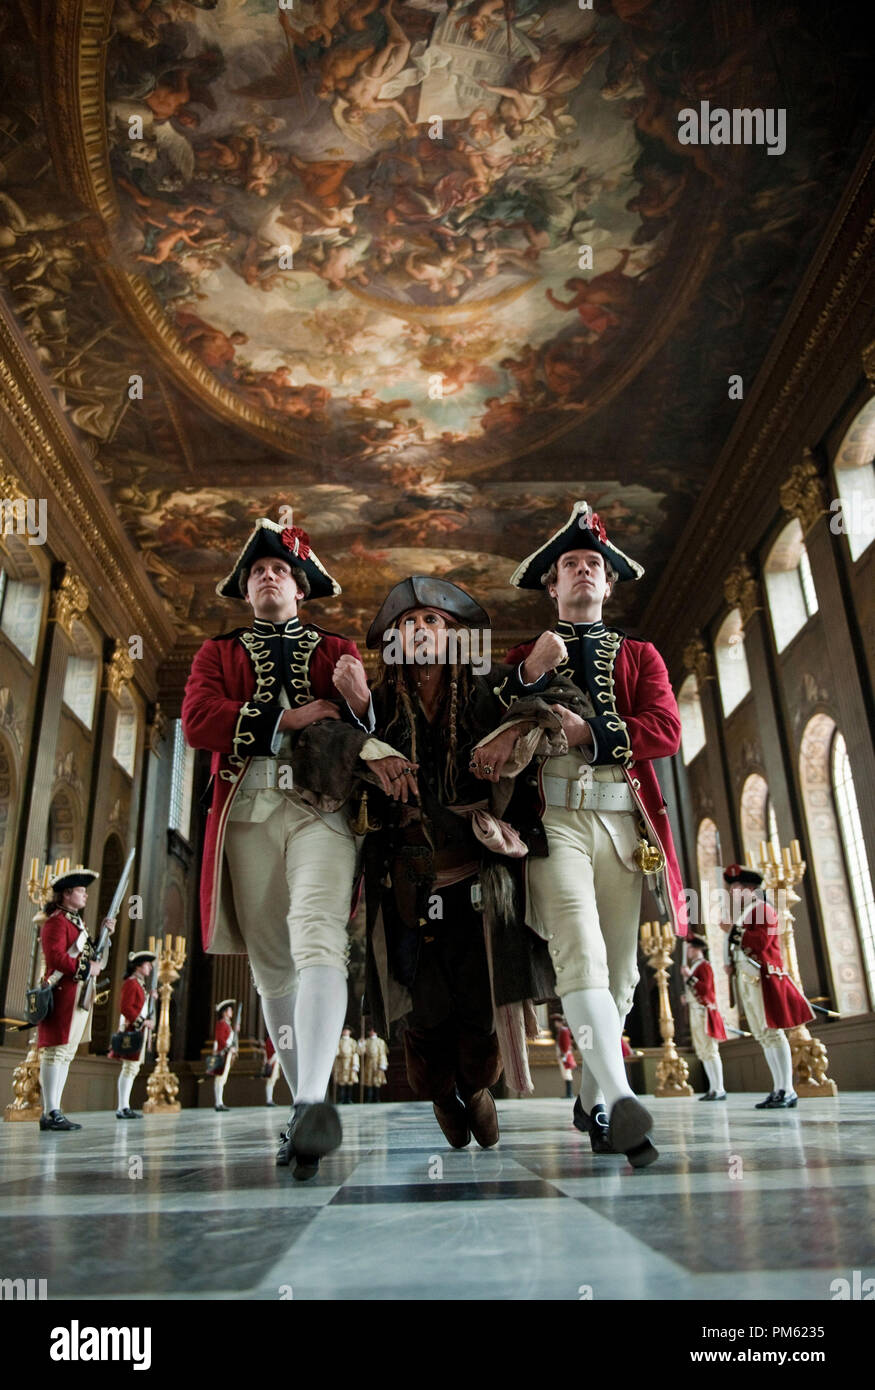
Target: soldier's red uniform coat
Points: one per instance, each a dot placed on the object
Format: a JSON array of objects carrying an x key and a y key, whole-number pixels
[
  {"x": 223, "y": 1034},
  {"x": 650, "y": 727},
  {"x": 563, "y": 1042},
  {"x": 231, "y": 708},
  {"x": 131, "y": 1002},
  {"x": 269, "y": 1049},
  {"x": 701, "y": 982},
  {"x": 57, "y": 935},
  {"x": 784, "y": 1005}
]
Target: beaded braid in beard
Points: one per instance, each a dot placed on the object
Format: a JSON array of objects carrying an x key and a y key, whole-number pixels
[{"x": 397, "y": 679}]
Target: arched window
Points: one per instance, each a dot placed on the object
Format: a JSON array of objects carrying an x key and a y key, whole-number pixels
[
  {"x": 21, "y": 609},
  {"x": 711, "y": 884},
  {"x": 125, "y": 743},
  {"x": 733, "y": 676},
  {"x": 692, "y": 722},
  {"x": 81, "y": 676},
  {"x": 789, "y": 585},
  {"x": 820, "y": 763},
  {"x": 181, "y": 783},
  {"x": 854, "y": 514},
  {"x": 856, "y": 863},
  {"x": 757, "y": 816}
]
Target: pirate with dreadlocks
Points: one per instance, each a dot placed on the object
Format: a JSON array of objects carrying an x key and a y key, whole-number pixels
[{"x": 434, "y": 860}]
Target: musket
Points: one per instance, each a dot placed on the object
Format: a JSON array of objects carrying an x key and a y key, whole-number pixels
[{"x": 86, "y": 995}]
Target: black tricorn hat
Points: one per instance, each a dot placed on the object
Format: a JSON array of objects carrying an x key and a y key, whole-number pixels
[
  {"x": 582, "y": 531},
  {"x": 224, "y": 1004},
  {"x": 697, "y": 941},
  {"x": 73, "y": 878},
  {"x": 138, "y": 957},
  {"x": 738, "y": 873},
  {"x": 424, "y": 591},
  {"x": 287, "y": 543}
]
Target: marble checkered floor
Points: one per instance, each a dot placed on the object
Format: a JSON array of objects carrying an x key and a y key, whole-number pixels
[{"x": 743, "y": 1204}]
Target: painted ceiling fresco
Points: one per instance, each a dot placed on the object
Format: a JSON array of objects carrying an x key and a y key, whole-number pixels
[{"x": 341, "y": 244}]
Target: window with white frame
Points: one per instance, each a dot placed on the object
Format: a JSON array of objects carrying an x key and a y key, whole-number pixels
[
  {"x": 856, "y": 862},
  {"x": 692, "y": 721},
  {"x": 21, "y": 608},
  {"x": 181, "y": 782},
  {"x": 733, "y": 676},
  {"x": 80, "y": 687},
  {"x": 125, "y": 742},
  {"x": 789, "y": 585}
]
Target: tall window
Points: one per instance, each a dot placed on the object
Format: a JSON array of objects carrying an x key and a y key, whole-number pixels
[
  {"x": 855, "y": 852},
  {"x": 855, "y": 483},
  {"x": 692, "y": 722},
  {"x": 21, "y": 607},
  {"x": 181, "y": 782},
  {"x": 733, "y": 676},
  {"x": 80, "y": 687},
  {"x": 789, "y": 585},
  {"x": 125, "y": 743}
]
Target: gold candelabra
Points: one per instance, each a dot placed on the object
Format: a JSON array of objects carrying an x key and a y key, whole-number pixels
[
  {"x": 780, "y": 874},
  {"x": 163, "y": 1084},
  {"x": 27, "y": 1104},
  {"x": 657, "y": 943}
]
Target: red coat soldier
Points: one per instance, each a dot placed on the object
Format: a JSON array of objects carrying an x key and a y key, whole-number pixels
[
  {"x": 69, "y": 956},
  {"x": 602, "y": 811},
  {"x": 135, "y": 1014},
  {"x": 224, "y": 1047},
  {"x": 770, "y": 1000},
  {"x": 706, "y": 1022}
]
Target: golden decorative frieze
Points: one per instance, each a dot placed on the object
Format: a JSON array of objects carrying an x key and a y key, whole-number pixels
[
  {"x": 803, "y": 495},
  {"x": 697, "y": 658},
  {"x": 741, "y": 589},
  {"x": 156, "y": 729},
  {"x": 69, "y": 602},
  {"x": 118, "y": 671},
  {"x": 868, "y": 356}
]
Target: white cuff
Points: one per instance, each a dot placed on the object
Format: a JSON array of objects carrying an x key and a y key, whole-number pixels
[
  {"x": 367, "y": 720},
  {"x": 375, "y": 748}
]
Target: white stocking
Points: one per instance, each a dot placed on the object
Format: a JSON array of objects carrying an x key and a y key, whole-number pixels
[
  {"x": 590, "y": 1090},
  {"x": 784, "y": 1058},
  {"x": 271, "y": 1082},
  {"x": 279, "y": 1015},
  {"x": 714, "y": 1073},
  {"x": 320, "y": 1008},
  {"x": 125, "y": 1086},
  {"x": 218, "y": 1087},
  {"x": 774, "y": 1064},
  {"x": 594, "y": 1021},
  {"x": 52, "y": 1085}
]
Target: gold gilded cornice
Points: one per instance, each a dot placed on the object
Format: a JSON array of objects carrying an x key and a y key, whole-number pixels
[
  {"x": 118, "y": 672},
  {"x": 156, "y": 729},
  {"x": 803, "y": 495},
  {"x": 802, "y": 364},
  {"x": 84, "y": 528},
  {"x": 741, "y": 589},
  {"x": 868, "y": 357},
  {"x": 69, "y": 602}
]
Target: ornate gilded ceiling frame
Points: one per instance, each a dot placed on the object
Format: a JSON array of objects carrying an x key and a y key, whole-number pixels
[{"x": 76, "y": 121}]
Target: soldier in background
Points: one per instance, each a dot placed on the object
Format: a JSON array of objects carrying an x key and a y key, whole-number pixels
[
  {"x": 69, "y": 956},
  {"x": 224, "y": 1047},
  {"x": 706, "y": 1022},
  {"x": 135, "y": 1012},
  {"x": 346, "y": 1067},
  {"x": 768, "y": 997},
  {"x": 375, "y": 1060}
]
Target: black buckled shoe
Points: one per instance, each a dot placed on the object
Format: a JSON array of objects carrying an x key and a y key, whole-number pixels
[
  {"x": 628, "y": 1128},
  {"x": 128, "y": 1114},
  {"x": 709, "y": 1095},
  {"x": 595, "y": 1124},
  {"x": 313, "y": 1131},
  {"x": 766, "y": 1104},
  {"x": 780, "y": 1100},
  {"x": 57, "y": 1120},
  {"x": 221, "y": 1108}
]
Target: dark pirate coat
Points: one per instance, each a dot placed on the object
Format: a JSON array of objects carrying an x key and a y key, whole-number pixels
[
  {"x": 636, "y": 719},
  {"x": 231, "y": 708}
]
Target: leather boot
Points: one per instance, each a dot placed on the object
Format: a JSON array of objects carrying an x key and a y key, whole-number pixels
[{"x": 454, "y": 1120}]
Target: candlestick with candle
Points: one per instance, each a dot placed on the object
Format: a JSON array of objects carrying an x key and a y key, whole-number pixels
[{"x": 672, "y": 1072}]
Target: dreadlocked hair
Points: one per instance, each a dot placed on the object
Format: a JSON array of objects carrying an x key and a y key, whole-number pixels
[{"x": 451, "y": 714}]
